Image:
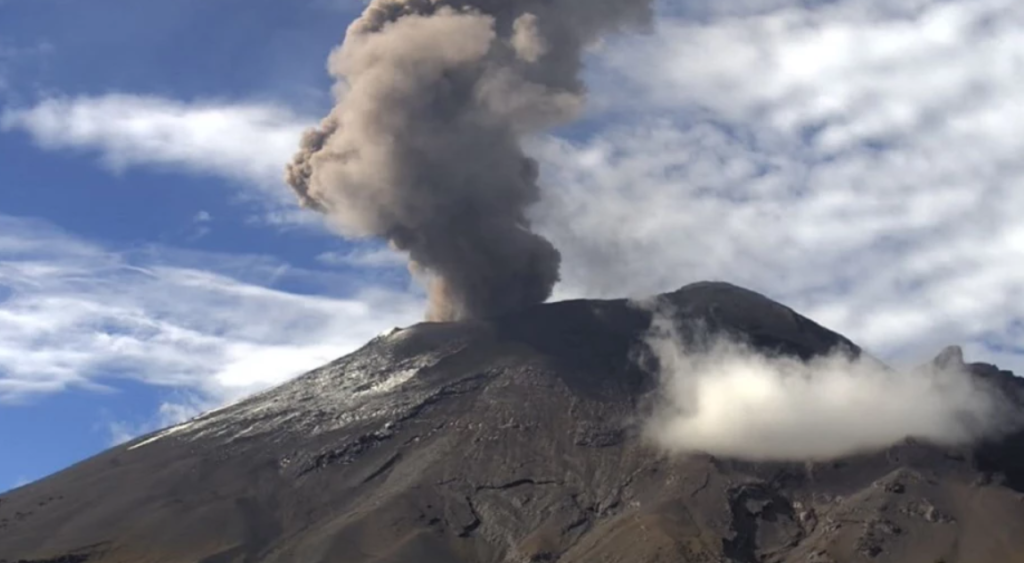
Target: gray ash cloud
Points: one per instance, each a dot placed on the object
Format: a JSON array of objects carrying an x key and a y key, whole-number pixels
[{"x": 423, "y": 147}]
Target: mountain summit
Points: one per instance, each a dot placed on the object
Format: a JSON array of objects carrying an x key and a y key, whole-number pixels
[{"x": 524, "y": 439}]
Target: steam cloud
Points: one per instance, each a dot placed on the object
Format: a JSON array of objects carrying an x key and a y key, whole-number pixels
[
  {"x": 423, "y": 146},
  {"x": 726, "y": 399}
]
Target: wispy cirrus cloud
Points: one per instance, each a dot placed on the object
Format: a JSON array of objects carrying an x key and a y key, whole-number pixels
[{"x": 74, "y": 313}]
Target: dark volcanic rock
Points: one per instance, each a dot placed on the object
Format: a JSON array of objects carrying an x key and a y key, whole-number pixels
[{"x": 513, "y": 440}]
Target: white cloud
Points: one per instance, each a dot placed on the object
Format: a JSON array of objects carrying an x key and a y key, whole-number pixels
[
  {"x": 726, "y": 399},
  {"x": 76, "y": 314},
  {"x": 167, "y": 415},
  {"x": 14, "y": 57},
  {"x": 855, "y": 159},
  {"x": 200, "y": 227},
  {"x": 247, "y": 143},
  {"x": 5, "y": 56},
  {"x": 363, "y": 258}
]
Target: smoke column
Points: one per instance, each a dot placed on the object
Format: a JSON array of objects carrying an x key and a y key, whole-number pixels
[{"x": 423, "y": 146}]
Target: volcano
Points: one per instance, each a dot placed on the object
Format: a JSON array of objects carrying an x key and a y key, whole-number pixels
[{"x": 518, "y": 439}]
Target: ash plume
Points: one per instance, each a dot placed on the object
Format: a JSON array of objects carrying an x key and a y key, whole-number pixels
[{"x": 423, "y": 146}]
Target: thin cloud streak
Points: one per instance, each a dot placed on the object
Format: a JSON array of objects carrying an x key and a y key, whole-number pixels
[{"x": 370, "y": 259}]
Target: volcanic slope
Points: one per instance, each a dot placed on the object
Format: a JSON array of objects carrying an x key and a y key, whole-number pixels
[{"x": 514, "y": 440}]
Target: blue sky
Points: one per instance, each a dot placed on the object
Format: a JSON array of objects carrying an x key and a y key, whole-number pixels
[{"x": 856, "y": 159}]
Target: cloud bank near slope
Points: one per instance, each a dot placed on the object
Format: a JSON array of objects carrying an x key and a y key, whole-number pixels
[{"x": 724, "y": 398}]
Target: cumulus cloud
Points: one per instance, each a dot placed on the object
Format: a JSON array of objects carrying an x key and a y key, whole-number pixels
[
  {"x": 724, "y": 398},
  {"x": 76, "y": 314},
  {"x": 248, "y": 143},
  {"x": 855, "y": 159}
]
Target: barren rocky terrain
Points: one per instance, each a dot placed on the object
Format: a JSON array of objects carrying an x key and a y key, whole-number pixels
[{"x": 518, "y": 440}]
